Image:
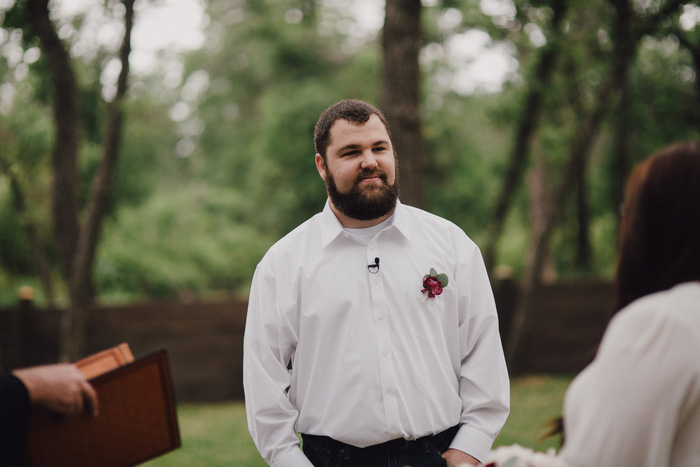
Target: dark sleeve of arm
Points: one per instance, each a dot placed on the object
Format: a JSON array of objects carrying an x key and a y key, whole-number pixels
[{"x": 14, "y": 419}]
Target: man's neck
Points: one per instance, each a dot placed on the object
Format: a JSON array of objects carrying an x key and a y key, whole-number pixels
[{"x": 352, "y": 223}]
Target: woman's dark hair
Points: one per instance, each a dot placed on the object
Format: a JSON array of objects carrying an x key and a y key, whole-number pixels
[
  {"x": 351, "y": 110},
  {"x": 660, "y": 229}
]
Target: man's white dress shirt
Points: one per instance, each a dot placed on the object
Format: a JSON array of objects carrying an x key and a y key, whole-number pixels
[
  {"x": 371, "y": 358},
  {"x": 638, "y": 403}
]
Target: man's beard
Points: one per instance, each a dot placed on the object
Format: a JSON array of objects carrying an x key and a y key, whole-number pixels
[{"x": 356, "y": 203}]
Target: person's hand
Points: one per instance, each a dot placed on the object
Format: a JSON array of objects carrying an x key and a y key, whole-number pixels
[
  {"x": 455, "y": 458},
  {"x": 60, "y": 388}
]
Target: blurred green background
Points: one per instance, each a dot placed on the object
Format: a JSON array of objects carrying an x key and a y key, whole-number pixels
[{"x": 216, "y": 159}]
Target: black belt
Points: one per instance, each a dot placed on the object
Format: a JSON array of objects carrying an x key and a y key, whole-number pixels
[{"x": 388, "y": 446}]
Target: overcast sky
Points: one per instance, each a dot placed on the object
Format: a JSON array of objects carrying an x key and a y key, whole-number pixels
[{"x": 177, "y": 25}]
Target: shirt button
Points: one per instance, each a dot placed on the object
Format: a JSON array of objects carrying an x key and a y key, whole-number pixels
[
  {"x": 385, "y": 353},
  {"x": 388, "y": 390},
  {"x": 376, "y": 281},
  {"x": 380, "y": 317},
  {"x": 394, "y": 427},
  {"x": 371, "y": 247}
]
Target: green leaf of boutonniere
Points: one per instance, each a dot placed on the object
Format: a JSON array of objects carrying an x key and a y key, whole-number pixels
[{"x": 441, "y": 277}]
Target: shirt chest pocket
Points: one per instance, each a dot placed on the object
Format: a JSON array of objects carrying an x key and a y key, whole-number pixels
[{"x": 424, "y": 317}]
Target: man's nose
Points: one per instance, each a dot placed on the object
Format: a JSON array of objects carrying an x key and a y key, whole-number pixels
[{"x": 369, "y": 161}]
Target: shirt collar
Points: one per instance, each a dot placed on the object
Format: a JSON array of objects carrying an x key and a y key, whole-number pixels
[
  {"x": 331, "y": 227},
  {"x": 401, "y": 220}
]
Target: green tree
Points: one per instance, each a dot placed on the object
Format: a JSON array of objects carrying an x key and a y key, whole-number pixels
[
  {"x": 273, "y": 69},
  {"x": 75, "y": 240},
  {"x": 626, "y": 38}
]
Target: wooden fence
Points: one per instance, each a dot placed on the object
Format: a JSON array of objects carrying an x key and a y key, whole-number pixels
[{"x": 205, "y": 340}]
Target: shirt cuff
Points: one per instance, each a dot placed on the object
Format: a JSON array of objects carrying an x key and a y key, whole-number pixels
[
  {"x": 473, "y": 442},
  {"x": 293, "y": 458}
]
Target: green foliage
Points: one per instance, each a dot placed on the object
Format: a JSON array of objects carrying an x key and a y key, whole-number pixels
[
  {"x": 514, "y": 241},
  {"x": 25, "y": 136},
  {"x": 465, "y": 155},
  {"x": 269, "y": 84},
  {"x": 216, "y": 168},
  {"x": 146, "y": 161},
  {"x": 11, "y": 282},
  {"x": 285, "y": 174},
  {"x": 668, "y": 111},
  {"x": 189, "y": 241},
  {"x": 15, "y": 253}
]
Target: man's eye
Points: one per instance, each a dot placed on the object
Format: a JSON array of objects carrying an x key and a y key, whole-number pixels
[{"x": 351, "y": 153}]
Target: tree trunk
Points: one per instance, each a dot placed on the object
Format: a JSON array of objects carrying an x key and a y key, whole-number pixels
[
  {"x": 76, "y": 244},
  {"x": 539, "y": 202},
  {"x": 621, "y": 153},
  {"x": 102, "y": 182},
  {"x": 74, "y": 325},
  {"x": 538, "y": 84},
  {"x": 583, "y": 237},
  {"x": 400, "y": 94},
  {"x": 67, "y": 119}
]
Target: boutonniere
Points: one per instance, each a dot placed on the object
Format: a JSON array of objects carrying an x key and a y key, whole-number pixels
[{"x": 433, "y": 284}]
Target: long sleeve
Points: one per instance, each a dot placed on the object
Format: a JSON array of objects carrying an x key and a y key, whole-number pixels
[
  {"x": 14, "y": 418},
  {"x": 637, "y": 403},
  {"x": 484, "y": 385},
  {"x": 268, "y": 346}
]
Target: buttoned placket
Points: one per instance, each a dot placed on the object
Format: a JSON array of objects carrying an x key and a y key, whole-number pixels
[{"x": 384, "y": 349}]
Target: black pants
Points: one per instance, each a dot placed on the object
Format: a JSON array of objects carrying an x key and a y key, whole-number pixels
[{"x": 323, "y": 451}]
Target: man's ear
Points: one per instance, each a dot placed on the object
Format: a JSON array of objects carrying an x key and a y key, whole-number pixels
[{"x": 321, "y": 166}]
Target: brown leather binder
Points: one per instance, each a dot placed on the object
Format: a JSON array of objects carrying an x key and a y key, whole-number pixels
[
  {"x": 137, "y": 421},
  {"x": 107, "y": 360}
]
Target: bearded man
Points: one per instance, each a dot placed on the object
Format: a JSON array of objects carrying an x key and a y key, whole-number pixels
[{"x": 372, "y": 330}]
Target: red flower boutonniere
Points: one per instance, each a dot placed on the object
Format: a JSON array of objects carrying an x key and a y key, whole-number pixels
[{"x": 433, "y": 284}]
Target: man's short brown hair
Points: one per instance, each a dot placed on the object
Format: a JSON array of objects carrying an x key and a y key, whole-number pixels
[{"x": 354, "y": 111}]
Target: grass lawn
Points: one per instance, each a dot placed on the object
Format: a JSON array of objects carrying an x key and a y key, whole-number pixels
[
  {"x": 217, "y": 434},
  {"x": 534, "y": 401}
]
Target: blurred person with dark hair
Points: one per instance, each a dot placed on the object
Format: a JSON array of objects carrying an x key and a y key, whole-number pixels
[
  {"x": 638, "y": 402},
  {"x": 372, "y": 328},
  {"x": 60, "y": 388}
]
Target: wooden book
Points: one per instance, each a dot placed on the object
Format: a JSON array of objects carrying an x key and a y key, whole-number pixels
[{"x": 137, "y": 419}]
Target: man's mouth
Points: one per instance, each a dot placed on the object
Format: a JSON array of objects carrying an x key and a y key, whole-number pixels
[{"x": 370, "y": 178}]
